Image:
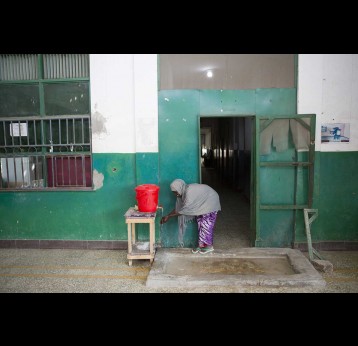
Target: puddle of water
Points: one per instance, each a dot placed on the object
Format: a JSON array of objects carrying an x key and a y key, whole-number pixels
[{"x": 243, "y": 266}]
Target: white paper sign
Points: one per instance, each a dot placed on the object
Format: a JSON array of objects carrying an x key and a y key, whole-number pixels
[{"x": 15, "y": 130}]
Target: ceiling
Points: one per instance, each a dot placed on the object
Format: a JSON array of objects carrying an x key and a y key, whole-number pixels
[{"x": 230, "y": 71}]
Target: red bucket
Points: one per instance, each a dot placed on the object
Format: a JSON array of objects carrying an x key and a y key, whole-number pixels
[{"x": 147, "y": 197}]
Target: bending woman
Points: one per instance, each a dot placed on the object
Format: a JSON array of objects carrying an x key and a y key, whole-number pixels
[{"x": 198, "y": 201}]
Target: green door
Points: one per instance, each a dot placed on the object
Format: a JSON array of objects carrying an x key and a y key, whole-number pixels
[{"x": 283, "y": 176}]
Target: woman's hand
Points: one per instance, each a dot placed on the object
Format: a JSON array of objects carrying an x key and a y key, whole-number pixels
[{"x": 164, "y": 219}]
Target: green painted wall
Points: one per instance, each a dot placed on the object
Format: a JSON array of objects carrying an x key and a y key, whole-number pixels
[
  {"x": 87, "y": 215},
  {"x": 335, "y": 197}
]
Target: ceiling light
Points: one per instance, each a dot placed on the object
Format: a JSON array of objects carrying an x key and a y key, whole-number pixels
[{"x": 209, "y": 73}]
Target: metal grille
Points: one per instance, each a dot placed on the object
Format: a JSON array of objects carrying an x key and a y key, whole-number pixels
[
  {"x": 66, "y": 66},
  {"x": 18, "y": 67},
  {"x": 45, "y": 152}
]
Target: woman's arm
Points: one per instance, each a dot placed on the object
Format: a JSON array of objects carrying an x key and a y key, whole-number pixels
[{"x": 164, "y": 219}]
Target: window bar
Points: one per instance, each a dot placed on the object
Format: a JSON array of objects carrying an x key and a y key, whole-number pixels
[
  {"x": 19, "y": 61},
  {"x": 66, "y": 131},
  {"x": 57, "y": 66},
  {"x": 74, "y": 133},
  {"x": 51, "y": 139},
  {"x": 73, "y": 57},
  {"x": 59, "y": 131},
  {"x": 1, "y": 67},
  {"x": 52, "y": 158},
  {"x": 19, "y": 133},
  {"x": 7, "y": 172},
  {"x": 68, "y": 160},
  {"x": 5, "y": 69},
  {"x": 56, "y": 61},
  {"x": 9, "y": 67},
  {"x": 45, "y": 62},
  {"x": 19, "y": 66},
  {"x": 83, "y": 171},
  {"x": 68, "y": 66},
  {"x": 34, "y": 122},
  {"x": 15, "y": 173},
  {"x": 13, "y": 66},
  {"x": 28, "y": 135},
  {"x": 51, "y": 66},
  {"x": 23, "y": 70},
  {"x": 54, "y": 169},
  {"x": 87, "y": 65},
  {"x": 83, "y": 133},
  {"x": 64, "y": 58},
  {"x": 42, "y": 132},
  {"x": 31, "y": 72},
  {"x": 76, "y": 65},
  {"x": 37, "y": 174},
  {"x": 22, "y": 171},
  {"x": 83, "y": 65},
  {"x": 12, "y": 133},
  {"x": 34, "y": 64},
  {"x": 76, "y": 177},
  {"x": 63, "y": 183},
  {"x": 4, "y": 132},
  {"x": 66, "y": 72},
  {"x": 60, "y": 65},
  {"x": 2, "y": 64},
  {"x": 80, "y": 65},
  {"x": 64, "y": 66},
  {"x": 26, "y": 66},
  {"x": 49, "y": 63}
]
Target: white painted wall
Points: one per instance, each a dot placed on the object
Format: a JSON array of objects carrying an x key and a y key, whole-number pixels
[
  {"x": 328, "y": 87},
  {"x": 124, "y": 103}
]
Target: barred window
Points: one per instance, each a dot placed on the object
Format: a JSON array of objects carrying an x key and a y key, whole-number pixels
[{"x": 45, "y": 122}]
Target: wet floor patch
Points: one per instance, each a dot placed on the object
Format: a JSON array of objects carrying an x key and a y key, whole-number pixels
[
  {"x": 229, "y": 266},
  {"x": 241, "y": 267}
]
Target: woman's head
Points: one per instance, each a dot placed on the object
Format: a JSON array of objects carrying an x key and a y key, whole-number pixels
[{"x": 178, "y": 186}]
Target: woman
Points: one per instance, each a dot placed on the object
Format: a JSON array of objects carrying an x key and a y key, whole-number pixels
[{"x": 195, "y": 200}]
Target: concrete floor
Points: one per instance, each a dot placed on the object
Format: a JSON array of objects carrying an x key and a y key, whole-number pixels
[{"x": 107, "y": 271}]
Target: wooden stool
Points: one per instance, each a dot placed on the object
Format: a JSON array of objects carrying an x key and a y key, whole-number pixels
[{"x": 137, "y": 250}]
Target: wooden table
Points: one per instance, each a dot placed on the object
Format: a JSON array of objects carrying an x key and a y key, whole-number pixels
[{"x": 140, "y": 250}]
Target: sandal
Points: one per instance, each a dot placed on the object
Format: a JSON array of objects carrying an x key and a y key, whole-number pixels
[{"x": 196, "y": 250}]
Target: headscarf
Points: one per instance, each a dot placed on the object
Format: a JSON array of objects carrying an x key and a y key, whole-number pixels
[{"x": 194, "y": 200}]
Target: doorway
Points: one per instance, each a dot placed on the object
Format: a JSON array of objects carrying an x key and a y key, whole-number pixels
[{"x": 226, "y": 165}]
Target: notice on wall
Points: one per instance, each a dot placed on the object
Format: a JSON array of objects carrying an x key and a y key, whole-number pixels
[
  {"x": 17, "y": 130},
  {"x": 333, "y": 133}
]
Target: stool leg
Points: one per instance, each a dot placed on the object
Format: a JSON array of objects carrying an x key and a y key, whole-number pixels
[
  {"x": 129, "y": 228},
  {"x": 133, "y": 233},
  {"x": 151, "y": 239}
]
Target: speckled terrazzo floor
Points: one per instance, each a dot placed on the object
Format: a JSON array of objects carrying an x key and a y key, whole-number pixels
[{"x": 107, "y": 271}]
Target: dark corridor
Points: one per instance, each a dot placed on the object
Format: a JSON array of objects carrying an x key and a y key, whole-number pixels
[{"x": 225, "y": 166}]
